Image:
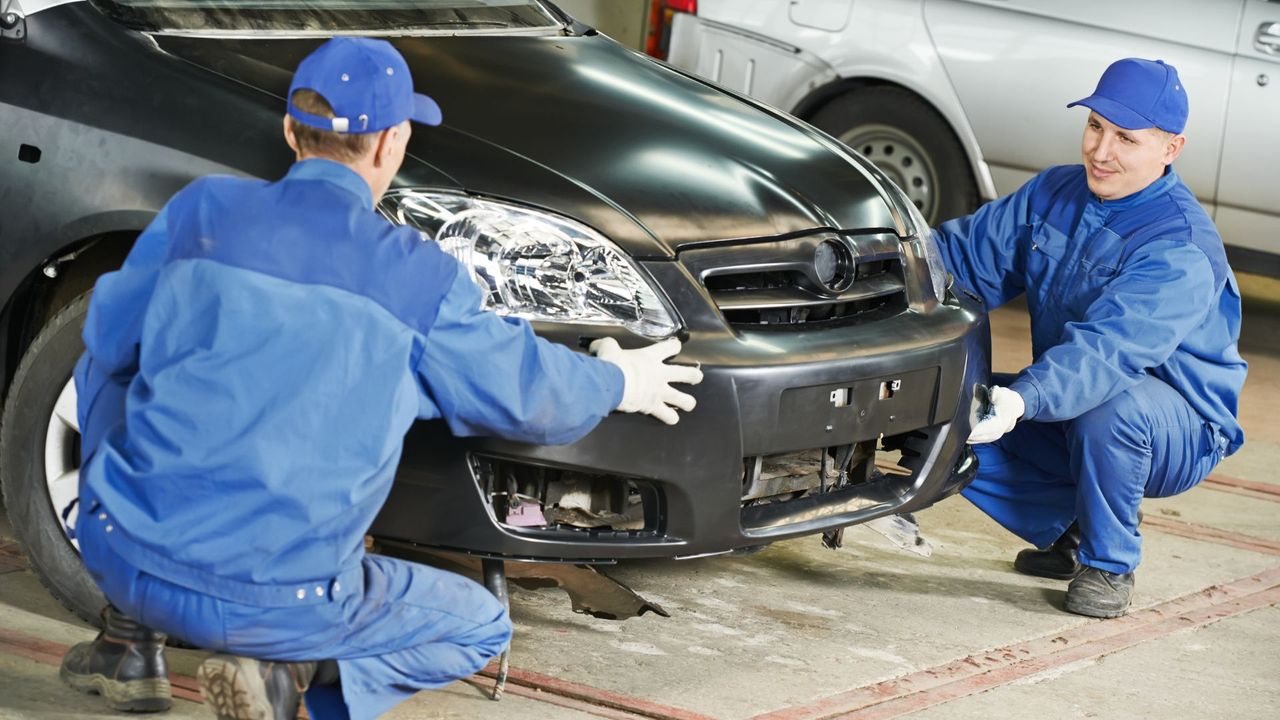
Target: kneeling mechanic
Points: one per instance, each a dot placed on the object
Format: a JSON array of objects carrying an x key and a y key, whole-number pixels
[{"x": 1135, "y": 316}]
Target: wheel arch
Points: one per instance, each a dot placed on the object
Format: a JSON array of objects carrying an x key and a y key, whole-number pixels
[
  {"x": 819, "y": 97},
  {"x": 61, "y": 276}
]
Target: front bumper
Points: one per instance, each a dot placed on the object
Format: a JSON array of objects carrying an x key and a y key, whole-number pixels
[{"x": 764, "y": 393}]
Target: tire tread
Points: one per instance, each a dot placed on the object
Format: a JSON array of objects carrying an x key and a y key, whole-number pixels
[{"x": 47, "y": 334}]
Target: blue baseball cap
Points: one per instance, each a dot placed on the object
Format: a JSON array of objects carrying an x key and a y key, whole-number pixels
[
  {"x": 366, "y": 82},
  {"x": 1136, "y": 94}
]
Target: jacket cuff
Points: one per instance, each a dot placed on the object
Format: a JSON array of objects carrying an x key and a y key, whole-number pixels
[{"x": 1030, "y": 397}]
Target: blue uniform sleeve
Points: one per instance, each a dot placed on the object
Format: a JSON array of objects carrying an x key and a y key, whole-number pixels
[
  {"x": 1159, "y": 296},
  {"x": 112, "y": 332},
  {"x": 490, "y": 375},
  {"x": 982, "y": 251}
]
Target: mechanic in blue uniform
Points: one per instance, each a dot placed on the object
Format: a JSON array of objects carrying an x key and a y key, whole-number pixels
[
  {"x": 1135, "y": 316},
  {"x": 249, "y": 378}
]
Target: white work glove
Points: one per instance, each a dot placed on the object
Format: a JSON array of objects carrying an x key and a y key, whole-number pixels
[
  {"x": 648, "y": 378},
  {"x": 1006, "y": 407}
]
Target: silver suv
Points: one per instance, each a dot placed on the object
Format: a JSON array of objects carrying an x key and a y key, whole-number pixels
[{"x": 962, "y": 100}]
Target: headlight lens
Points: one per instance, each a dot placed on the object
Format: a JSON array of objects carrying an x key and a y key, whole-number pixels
[
  {"x": 533, "y": 264},
  {"x": 938, "y": 275}
]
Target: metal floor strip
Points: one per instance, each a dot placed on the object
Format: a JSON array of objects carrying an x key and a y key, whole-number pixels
[
  {"x": 1262, "y": 488},
  {"x": 1001, "y": 666},
  {"x": 11, "y": 557},
  {"x": 636, "y": 707},
  {"x": 1211, "y": 534}
]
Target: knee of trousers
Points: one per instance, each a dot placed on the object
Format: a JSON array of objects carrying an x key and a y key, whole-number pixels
[{"x": 1121, "y": 422}]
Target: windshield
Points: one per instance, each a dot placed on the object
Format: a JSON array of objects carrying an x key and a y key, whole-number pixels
[{"x": 327, "y": 17}]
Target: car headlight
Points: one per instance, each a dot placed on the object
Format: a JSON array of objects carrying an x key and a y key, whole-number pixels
[
  {"x": 534, "y": 264},
  {"x": 938, "y": 275}
]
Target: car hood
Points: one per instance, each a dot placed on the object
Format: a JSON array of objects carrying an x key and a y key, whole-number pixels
[{"x": 650, "y": 157}]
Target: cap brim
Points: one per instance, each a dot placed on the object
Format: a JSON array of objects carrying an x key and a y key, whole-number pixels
[
  {"x": 1118, "y": 114},
  {"x": 426, "y": 110}
]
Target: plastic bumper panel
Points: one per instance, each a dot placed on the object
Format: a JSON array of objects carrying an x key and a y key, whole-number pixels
[{"x": 763, "y": 393}]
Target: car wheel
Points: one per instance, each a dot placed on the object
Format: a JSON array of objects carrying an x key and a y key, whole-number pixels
[
  {"x": 910, "y": 142},
  {"x": 40, "y": 459}
]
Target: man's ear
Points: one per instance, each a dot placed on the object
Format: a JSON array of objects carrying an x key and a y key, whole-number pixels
[
  {"x": 1174, "y": 148},
  {"x": 382, "y": 148},
  {"x": 290, "y": 138}
]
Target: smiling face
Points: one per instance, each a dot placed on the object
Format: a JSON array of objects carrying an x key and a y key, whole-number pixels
[{"x": 1120, "y": 162}]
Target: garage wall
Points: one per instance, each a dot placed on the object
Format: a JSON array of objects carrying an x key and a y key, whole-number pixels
[{"x": 622, "y": 20}]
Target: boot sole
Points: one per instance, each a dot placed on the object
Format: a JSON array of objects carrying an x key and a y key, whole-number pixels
[
  {"x": 233, "y": 688},
  {"x": 1094, "y": 611},
  {"x": 140, "y": 696}
]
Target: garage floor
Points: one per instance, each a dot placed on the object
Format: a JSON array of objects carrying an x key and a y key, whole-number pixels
[{"x": 798, "y": 632}]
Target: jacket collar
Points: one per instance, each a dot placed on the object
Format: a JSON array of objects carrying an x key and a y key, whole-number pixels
[
  {"x": 335, "y": 173},
  {"x": 1161, "y": 186}
]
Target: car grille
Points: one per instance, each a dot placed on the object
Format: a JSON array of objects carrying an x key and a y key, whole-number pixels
[{"x": 778, "y": 284}]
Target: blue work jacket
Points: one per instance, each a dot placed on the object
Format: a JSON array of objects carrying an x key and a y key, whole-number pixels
[
  {"x": 251, "y": 371},
  {"x": 1117, "y": 289}
]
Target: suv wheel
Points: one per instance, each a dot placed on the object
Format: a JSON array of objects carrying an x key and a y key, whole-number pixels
[
  {"x": 908, "y": 140},
  {"x": 40, "y": 459}
]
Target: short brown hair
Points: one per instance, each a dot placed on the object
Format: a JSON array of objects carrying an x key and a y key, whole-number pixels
[{"x": 343, "y": 147}]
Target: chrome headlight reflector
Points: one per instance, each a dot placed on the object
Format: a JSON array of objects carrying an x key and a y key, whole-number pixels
[{"x": 533, "y": 264}]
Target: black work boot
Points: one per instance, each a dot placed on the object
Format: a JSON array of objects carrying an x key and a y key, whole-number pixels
[
  {"x": 240, "y": 688},
  {"x": 1058, "y": 561},
  {"x": 1101, "y": 594},
  {"x": 124, "y": 664}
]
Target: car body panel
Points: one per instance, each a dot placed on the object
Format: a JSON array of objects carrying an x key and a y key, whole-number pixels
[
  {"x": 95, "y": 162},
  {"x": 1248, "y": 192},
  {"x": 694, "y": 170},
  {"x": 828, "y": 15},
  {"x": 1016, "y": 64}
]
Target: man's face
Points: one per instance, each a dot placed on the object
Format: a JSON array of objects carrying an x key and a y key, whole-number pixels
[{"x": 1120, "y": 162}]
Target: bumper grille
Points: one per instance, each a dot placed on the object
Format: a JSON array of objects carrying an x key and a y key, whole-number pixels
[{"x": 779, "y": 284}]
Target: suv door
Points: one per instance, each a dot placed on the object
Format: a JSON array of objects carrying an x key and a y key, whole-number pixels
[
  {"x": 1016, "y": 63},
  {"x": 1248, "y": 192}
]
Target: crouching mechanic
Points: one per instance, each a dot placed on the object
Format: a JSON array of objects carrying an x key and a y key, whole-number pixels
[
  {"x": 1134, "y": 321},
  {"x": 249, "y": 378}
]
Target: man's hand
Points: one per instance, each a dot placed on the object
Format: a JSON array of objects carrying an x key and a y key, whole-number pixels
[
  {"x": 648, "y": 378},
  {"x": 1006, "y": 407}
]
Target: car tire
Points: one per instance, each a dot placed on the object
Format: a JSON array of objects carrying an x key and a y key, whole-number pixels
[
  {"x": 42, "y": 375},
  {"x": 910, "y": 142}
]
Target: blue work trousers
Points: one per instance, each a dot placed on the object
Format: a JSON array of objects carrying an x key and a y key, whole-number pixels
[
  {"x": 1095, "y": 469},
  {"x": 409, "y": 627}
]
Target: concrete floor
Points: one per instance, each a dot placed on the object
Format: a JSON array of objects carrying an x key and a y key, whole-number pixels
[{"x": 800, "y": 632}]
